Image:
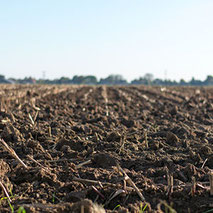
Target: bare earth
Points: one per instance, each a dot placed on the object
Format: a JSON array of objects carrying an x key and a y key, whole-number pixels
[{"x": 125, "y": 148}]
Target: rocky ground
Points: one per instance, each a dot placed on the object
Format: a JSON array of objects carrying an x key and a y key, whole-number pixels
[{"x": 125, "y": 148}]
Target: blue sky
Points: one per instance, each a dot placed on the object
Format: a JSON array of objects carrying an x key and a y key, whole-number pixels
[{"x": 172, "y": 39}]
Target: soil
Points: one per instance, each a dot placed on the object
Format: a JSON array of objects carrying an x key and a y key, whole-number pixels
[{"x": 73, "y": 139}]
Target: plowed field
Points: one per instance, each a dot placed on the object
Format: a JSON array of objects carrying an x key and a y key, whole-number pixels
[{"x": 125, "y": 148}]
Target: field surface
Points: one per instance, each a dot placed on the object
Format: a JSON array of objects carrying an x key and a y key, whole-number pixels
[{"x": 128, "y": 149}]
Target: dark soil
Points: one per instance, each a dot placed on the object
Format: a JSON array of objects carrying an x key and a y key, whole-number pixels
[{"x": 73, "y": 137}]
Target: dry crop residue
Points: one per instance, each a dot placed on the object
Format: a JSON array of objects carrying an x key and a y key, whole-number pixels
[{"x": 90, "y": 148}]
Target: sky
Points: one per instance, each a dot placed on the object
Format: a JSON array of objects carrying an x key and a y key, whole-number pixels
[{"x": 170, "y": 39}]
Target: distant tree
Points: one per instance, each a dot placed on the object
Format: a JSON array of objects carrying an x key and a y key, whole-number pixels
[
  {"x": 183, "y": 82},
  {"x": 209, "y": 80},
  {"x": 149, "y": 77},
  {"x": 141, "y": 80},
  {"x": 2, "y": 77},
  {"x": 64, "y": 80},
  {"x": 113, "y": 79},
  {"x": 90, "y": 79},
  {"x": 27, "y": 80},
  {"x": 158, "y": 81},
  {"x": 194, "y": 82},
  {"x": 3, "y": 80},
  {"x": 78, "y": 79}
]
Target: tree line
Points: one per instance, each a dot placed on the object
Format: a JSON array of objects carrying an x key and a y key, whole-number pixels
[{"x": 147, "y": 79}]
